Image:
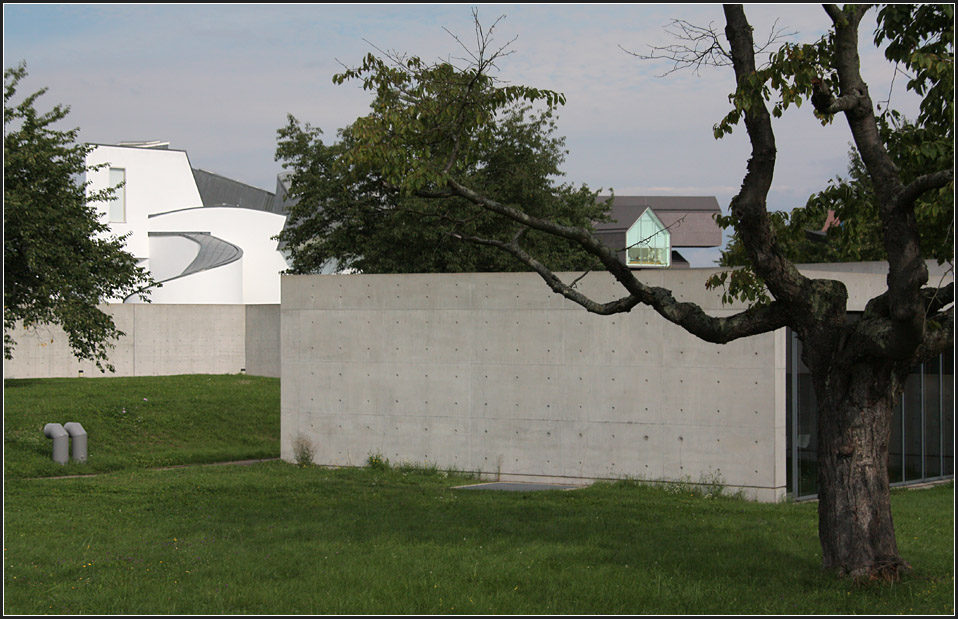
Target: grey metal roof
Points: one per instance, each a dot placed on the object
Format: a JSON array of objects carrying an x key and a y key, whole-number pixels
[
  {"x": 216, "y": 190},
  {"x": 626, "y": 209},
  {"x": 689, "y": 219}
]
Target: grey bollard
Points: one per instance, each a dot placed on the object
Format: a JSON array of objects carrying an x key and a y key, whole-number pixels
[
  {"x": 61, "y": 442},
  {"x": 78, "y": 435}
]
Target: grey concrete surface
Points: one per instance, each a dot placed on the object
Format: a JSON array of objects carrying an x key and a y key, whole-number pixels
[
  {"x": 161, "y": 339},
  {"x": 495, "y": 374}
]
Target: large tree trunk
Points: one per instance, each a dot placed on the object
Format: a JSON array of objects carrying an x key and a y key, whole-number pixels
[{"x": 857, "y": 535}]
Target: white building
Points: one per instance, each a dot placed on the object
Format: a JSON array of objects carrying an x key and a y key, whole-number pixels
[{"x": 205, "y": 238}]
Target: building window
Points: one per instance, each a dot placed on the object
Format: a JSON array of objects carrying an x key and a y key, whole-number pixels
[
  {"x": 116, "y": 208},
  {"x": 648, "y": 242}
]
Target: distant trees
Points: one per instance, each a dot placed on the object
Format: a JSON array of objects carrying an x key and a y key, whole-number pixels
[{"x": 58, "y": 260}]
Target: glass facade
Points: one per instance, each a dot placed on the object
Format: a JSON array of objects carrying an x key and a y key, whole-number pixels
[
  {"x": 649, "y": 242},
  {"x": 922, "y": 434}
]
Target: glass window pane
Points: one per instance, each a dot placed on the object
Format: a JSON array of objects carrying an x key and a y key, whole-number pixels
[
  {"x": 117, "y": 206},
  {"x": 948, "y": 412},
  {"x": 914, "y": 436},
  {"x": 789, "y": 414},
  {"x": 932, "y": 420},
  {"x": 807, "y": 434}
]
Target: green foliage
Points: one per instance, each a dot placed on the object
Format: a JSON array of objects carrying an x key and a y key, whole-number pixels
[
  {"x": 379, "y": 200},
  {"x": 59, "y": 262},
  {"x": 791, "y": 76},
  {"x": 349, "y": 212},
  {"x": 428, "y": 120},
  {"x": 858, "y": 237},
  {"x": 303, "y": 450},
  {"x": 920, "y": 38},
  {"x": 377, "y": 462}
]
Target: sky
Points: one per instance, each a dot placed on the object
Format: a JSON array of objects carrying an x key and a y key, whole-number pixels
[{"x": 218, "y": 81}]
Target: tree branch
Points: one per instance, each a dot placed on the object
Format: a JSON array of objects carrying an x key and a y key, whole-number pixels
[
  {"x": 701, "y": 47},
  {"x": 719, "y": 330},
  {"x": 939, "y": 340},
  {"x": 920, "y": 185},
  {"x": 749, "y": 205},
  {"x": 624, "y": 304}
]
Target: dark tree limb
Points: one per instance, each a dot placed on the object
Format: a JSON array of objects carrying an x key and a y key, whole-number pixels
[
  {"x": 940, "y": 339},
  {"x": 911, "y": 192},
  {"x": 720, "y": 330},
  {"x": 907, "y": 272},
  {"x": 749, "y": 206}
]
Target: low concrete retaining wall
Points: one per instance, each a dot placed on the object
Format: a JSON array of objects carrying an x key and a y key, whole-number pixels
[
  {"x": 162, "y": 339},
  {"x": 493, "y": 373}
]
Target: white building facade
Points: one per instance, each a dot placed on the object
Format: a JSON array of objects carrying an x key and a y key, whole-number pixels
[{"x": 204, "y": 238}]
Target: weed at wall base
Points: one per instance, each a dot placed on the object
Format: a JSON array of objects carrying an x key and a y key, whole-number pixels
[{"x": 303, "y": 450}]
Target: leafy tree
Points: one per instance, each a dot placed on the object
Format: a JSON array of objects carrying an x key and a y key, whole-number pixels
[
  {"x": 352, "y": 214},
  {"x": 858, "y": 236},
  {"x": 58, "y": 260},
  {"x": 428, "y": 126}
]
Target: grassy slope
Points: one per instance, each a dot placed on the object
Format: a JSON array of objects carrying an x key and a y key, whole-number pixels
[{"x": 142, "y": 421}]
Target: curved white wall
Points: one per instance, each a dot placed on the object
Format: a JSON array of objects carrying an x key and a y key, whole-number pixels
[
  {"x": 251, "y": 230},
  {"x": 170, "y": 255},
  {"x": 157, "y": 180},
  {"x": 222, "y": 285},
  {"x": 161, "y": 196}
]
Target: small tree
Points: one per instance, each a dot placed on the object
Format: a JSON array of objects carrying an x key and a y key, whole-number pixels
[
  {"x": 427, "y": 119},
  {"x": 357, "y": 217},
  {"x": 58, "y": 260}
]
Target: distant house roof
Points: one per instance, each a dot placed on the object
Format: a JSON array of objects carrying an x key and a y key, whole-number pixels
[{"x": 689, "y": 218}]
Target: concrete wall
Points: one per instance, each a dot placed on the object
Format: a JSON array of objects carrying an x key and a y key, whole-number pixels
[
  {"x": 162, "y": 340},
  {"x": 262, "y": 340},
  {"x": 494, "y": 373}
]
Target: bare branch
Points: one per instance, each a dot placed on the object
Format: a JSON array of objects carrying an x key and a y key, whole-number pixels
[
  {"x": 478, "y": 58},
  {"x": 702, "y": 47},
  {"x": 618, "y": 306}
]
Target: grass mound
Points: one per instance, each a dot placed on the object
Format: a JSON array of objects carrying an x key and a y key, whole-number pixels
[{"x": 141, "y": 422}]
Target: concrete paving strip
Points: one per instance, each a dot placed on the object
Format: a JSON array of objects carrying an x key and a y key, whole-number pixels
[
  {"x": 163, "y": 468},
  {"x": 516, "y": 486}
]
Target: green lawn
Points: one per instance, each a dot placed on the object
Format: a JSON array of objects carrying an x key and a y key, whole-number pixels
[
  {"x": 276, "y": 538},
  {"x": 139, "y": 422}
]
